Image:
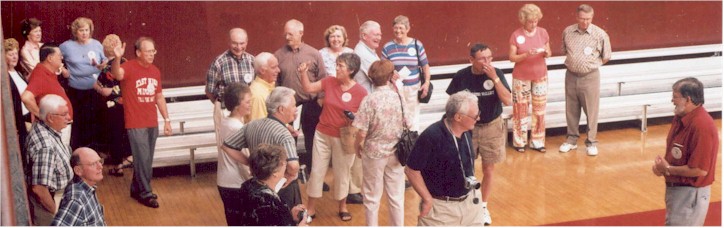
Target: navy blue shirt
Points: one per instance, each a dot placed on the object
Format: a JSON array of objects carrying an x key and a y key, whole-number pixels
[
  {"x": 482, "y": 87},
  {"x": 436, "y": 157}
]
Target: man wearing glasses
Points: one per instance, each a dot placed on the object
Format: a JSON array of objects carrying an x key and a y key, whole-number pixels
[
  {"x": 80, "y": 206},
  {"x": 141, "y": 90},
  {"x": 48, "y": 169},
  {"x": 489, "y": 85}
]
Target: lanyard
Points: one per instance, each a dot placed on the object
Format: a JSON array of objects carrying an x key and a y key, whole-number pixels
[{"x": 458, "y": 149}]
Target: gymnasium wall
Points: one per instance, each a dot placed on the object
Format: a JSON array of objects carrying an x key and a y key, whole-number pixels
[{"x": 190, "y": 34}]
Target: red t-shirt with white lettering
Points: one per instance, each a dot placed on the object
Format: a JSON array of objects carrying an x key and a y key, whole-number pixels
[
  {"x": 139, "y": 88},
  {"x": 43, "y": 82}
]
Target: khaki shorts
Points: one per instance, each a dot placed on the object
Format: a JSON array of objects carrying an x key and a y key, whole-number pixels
[{"x": 489, "y": 141}]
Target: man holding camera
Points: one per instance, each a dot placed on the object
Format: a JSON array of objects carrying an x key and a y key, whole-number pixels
[{"x": 441, "y": 167}]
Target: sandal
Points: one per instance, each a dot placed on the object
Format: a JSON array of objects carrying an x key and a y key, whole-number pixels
[
  {"x": 345, "y": 216},
  {"x": 539, "y": 149},
  {"x": 118, "y": 172},
  {"x": 519, "y": 149},
  {"x": 126, "y": 164}
]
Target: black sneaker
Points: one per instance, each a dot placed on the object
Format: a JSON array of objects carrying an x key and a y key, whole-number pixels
[{"x": 354, "y": 198}]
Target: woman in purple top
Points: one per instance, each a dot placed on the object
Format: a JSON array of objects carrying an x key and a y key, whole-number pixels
[{"x": 529, "y": 47}]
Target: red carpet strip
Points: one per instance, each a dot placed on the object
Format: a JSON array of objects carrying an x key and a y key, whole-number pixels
[{"x": 647, "y": 218}]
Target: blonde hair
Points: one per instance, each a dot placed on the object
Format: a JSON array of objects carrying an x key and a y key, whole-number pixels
[
  {"x": 79, "y": 22},
  {"x": 10, "y": 44},
  {"x": 109, "y": 42},
  {"x": 529, "y": 12},
  {"x": 401, "y": 19},
  {"x": 333, "y": 29}
]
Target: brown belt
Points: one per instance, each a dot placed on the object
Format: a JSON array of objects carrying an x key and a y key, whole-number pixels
[
  {"x": 448, "y": 198},
  {"x": 672, "y": 184}
]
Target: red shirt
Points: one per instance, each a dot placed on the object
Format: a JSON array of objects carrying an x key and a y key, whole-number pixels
[
  {"x": 693, "y": 141},
  {"x": 335, "y": 102},
  {"x": 532, "y": 67},
  {"x": 43, "y": 82},
  {"x": 138, "y": 89}
]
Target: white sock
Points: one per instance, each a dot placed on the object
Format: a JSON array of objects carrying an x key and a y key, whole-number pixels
[{"x": 485, "y": 204}]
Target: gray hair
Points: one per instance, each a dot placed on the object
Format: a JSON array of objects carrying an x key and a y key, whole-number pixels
[
  {"x": 401, "y": 19},
  {"x": 50, "y": 103},
  {"x": 692, "y": 88},
  {"x": 279, "y": 96},
  {"x": 261, "y": 60},
  {"x": 295, "y": 24},
  {"x": 458, "y": 102},
  {"x": 584, "y": 8},
  {"x": 365, "y": 27}
]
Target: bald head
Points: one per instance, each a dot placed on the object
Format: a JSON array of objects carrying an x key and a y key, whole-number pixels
[
  {"x": 87, "y": 165},
  {"x": 238, "y": 41},
  {"x": 293, "y": 32}
]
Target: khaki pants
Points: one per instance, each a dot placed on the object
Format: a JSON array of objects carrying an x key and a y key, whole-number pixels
[
  {"x": 328, "y": 148},
  {"x": 412, "y": 105},
  {"x": 582, "y": 92},
  {"x": 40, "y": 215},
  {"x": 388, "y": 173},
  {"x": 687, "y": 206},
  {"x": 451, "y": 213}
]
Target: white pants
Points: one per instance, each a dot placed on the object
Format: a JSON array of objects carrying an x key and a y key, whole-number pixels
[
  {"x": 412, "y": 105},
  {"x": 328, "y": 148},
  {"x": 389, "y": 173}
]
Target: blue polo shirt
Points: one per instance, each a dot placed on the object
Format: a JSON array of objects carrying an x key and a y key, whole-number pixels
[{"x": 436, "y": 157}]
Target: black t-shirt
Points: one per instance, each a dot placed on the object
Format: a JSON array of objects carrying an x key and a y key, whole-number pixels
[
  {"x": 482, "y": 87},
  {"x": 436, "y": 157}
]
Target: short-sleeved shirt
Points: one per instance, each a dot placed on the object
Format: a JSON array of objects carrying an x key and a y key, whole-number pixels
[
  {"x": 585, "y": 49},
  {"x": 330, "y": 60},
  {"x": 227, "y": 69},
  {"x": 693, "y": 141},
  {"x": 380, "y": 115},
  {"x": 43, "y": 82},
  {"x": 260, "y": 90},
  {"x": 289, "y": 61},
  {"x": 268, "y": 130},
  {"x": 482, "y": 87},
  {"x": 435, "y": 155},
  {"x": 229, "y": 173},
  {"x": 139, "y": 88},
  {"x": 31, "y": 56},
  {"x": 48, "y": 158},
  {"x": 533, "y": 67},
  {"x": 404, "y": 56},
  {"x": 367, "y": 56},
  {"x": 79, "y": 206},
  {"x": 336, "y": 102},
  {"x": 81, "y": 61}
]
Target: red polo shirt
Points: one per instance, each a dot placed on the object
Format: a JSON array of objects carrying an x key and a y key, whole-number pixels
[
  {"x": 693, "y": 141},
  {"x": 43, "y": 82}
]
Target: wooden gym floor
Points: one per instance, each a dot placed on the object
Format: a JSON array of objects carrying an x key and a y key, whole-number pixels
[{"x": 530, "y": 188}]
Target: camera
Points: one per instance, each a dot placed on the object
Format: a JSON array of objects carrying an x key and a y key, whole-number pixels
[
  {"x": 349, "y": 114},
  {"x": 471, "y": 183},
  {"x": 302, "y": 215}
]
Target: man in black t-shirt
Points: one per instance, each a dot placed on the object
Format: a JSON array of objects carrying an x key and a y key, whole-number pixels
[{"x": 489, "y": 85}]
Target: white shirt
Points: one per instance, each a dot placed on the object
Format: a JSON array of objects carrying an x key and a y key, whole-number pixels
[
  {"x": 22, "y": 85},
  {"x": 229, "y": 173}
]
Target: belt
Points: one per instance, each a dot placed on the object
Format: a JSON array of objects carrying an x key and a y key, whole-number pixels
[
  {"x": 672, "y": 184},
  {"x": 496, "y": 120},
  {"x": 448, "y": 198}
]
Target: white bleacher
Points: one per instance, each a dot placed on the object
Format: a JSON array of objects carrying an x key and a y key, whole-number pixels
[{"x": 629, "y": 91}]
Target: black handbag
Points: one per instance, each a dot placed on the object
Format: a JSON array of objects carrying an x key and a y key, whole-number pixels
[
  {"x": 407, "y": 140},
  {"x": 425, "y": 99}
]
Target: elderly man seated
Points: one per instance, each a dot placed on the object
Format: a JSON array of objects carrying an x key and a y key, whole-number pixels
[{"x": 80, "y": 206}]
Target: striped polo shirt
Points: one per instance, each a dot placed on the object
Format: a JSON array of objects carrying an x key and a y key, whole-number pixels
[
  {"x": 268, "y": 130},
  {"x": 405, "y": 56}
]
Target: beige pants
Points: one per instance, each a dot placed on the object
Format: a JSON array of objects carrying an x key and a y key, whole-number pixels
[
  {"x": 412, "y": 105},
  {"x": 582, "y": 92},
  {"x": 489, "y": 141},
  {"x": 388, "y": 173},
  {"x": 328, "y": 148},
  {"x": 40, "y": 215},
  {"x": 451, "y": 213}
]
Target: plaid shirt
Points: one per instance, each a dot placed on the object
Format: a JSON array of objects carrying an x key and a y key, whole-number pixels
[
  {"x": 48, "y": 158},
  {"x": 79, "y": 206},
  {"x": 226, "y": 69},
  {"x": 585, "y": 49}
]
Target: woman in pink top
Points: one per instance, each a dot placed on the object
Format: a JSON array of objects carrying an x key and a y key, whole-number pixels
[
  {"x": 529, "y": 47},
  {"x": 342, "y": 96},
  {"x": 31, "y": 50}
]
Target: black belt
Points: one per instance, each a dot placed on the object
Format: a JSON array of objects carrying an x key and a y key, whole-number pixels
[
  {"x": 448, "y": 198},
  {"x": 672, "y": 184}
]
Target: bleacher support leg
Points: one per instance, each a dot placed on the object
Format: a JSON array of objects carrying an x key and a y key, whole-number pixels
[
  {"x": 644, "y": 118},
  {"x": 181, "y": 126},
  {"x": 193, "y": 162}
]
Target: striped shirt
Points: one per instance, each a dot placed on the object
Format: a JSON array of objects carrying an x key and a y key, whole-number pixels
[
  {"x": 226, "y": 69},
  {"x": 405, "y": 56},
  {"x": 268, "y": 130},
  {"x": 79, "y": 206},
  {"x": 48, "y": 158},
  {"x": 585, "y": 49}
]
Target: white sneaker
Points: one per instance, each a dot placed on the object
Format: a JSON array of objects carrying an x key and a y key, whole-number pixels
[
  {"x": 486, "y": 217},
  {"x": 565, "y": 147},
  {"x": 592, "y": 150}
]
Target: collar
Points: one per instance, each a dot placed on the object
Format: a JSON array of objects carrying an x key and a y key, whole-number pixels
[
  {"x": 270, "y": 116},
  {"x": 266, "y": 84},
  {"x": 85, "y": 187},
  {"x": 588, "y": 30},
  {"x": 687, "y": 119},
  {"x": 361, "y": 43},
  {"x": 50, "y": 129},
  {"x": 244, "y": 55},
  {"x": 289, "y": 48}
]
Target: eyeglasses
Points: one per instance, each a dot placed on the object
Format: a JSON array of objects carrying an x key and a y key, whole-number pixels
[
  {"x": 153, "y": 52},
  {"x": 96, "y": 163},
  {"x": 61, "y": 114},
  {"x": 476, "y": 117}
]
